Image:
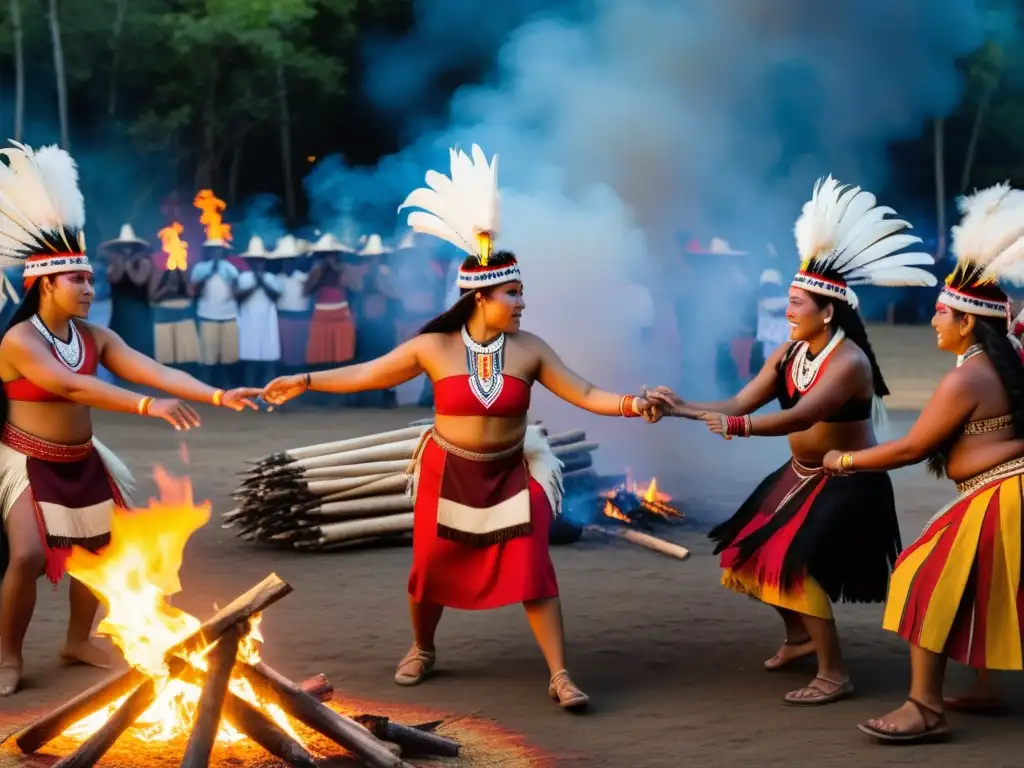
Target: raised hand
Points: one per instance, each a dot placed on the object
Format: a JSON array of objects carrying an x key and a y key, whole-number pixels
[
  {"x": 177, "y": 413},
  {"x": 241, "y": 398},
  {"x": 284, "y": 388}
]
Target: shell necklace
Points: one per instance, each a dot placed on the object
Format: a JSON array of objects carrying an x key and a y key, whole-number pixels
[
  {"x": 972, "y": 351},
  {"x": 485, "y": 364},
  {"x": 70, "y": 352},
  {"x": 805, "y": 371}
]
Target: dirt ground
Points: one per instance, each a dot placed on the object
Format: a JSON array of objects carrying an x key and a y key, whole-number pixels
[{"x": 671, "y": 660}]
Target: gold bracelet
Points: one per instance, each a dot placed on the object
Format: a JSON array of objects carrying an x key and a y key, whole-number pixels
[
  {"x": 143, "y": 406},
  {"x": 218, "y": 397},
  {"x": 846, "y": 462}
]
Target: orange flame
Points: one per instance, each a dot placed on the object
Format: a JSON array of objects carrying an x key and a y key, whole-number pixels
[
  {"x": 175, "y": 248},
  {"x": 212, "y": 208},
  {"x": 133, "y": 577}
]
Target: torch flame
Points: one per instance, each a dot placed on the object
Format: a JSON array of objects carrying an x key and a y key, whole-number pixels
[
  {"x": 133, "y": 577},
  {"x": 175, "y": 248},
  {"x": 212, "y": 207}
]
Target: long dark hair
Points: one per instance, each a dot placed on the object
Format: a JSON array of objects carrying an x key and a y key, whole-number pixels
[
  {"x": 991, "y": 334},
  {"x": 28, "y": 307},
  {"x": 458, "y": 314},
  {"x": 846, "y": 317}
]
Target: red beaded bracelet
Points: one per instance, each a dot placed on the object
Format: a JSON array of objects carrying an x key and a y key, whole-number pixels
[
  {"x": 737, "y": 426},
  {"x": 626, "y": 406}
]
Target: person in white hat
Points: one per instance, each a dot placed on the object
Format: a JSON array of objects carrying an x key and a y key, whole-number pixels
[
  {"x": 129, "y": 270},
  {"x": 332, "y": 331},
  {"x": 213, "y": 285},
  {"x": 376, "y": 307},
  {"x": 772, "y": 325},
  {"x": 294, "y": 307},
  {"x": 257, "y": 291}
]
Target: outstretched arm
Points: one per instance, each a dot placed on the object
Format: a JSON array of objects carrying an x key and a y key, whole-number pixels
[
  {"x": 396, "y": 367},
  {"x": 949, "y": 408},
  {"x": 125, "y": 363},
  {"x": 751, "y": 398},
  {"x": 561, "y": 381}
]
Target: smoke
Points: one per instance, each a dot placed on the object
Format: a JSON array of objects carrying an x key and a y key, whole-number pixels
[
  {"x": 623, "y": 124},
  {"x": 261, "y": 217}
]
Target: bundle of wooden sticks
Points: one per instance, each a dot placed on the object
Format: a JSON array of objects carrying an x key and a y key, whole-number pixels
[{"x": 351, "y": 492}]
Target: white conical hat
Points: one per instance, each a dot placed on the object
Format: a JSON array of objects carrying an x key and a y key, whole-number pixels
[
  {"x": 127, "y": 237},
  {"x": 328, "y": 243},
  {"x": 256, "y": 249},
  {"x": 408, "y": 241},
  {"x": 721, "y": 246},
  {"x": 287, "y": 248},
  {"x": 373, "y": 247}
]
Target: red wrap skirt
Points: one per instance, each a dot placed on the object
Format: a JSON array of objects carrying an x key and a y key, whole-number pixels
[
  {"x": 957, "y": 589},
  {"x": 507, "y": 560}
]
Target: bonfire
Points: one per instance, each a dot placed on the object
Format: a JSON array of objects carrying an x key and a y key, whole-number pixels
[{"x": 204, "y": 681}]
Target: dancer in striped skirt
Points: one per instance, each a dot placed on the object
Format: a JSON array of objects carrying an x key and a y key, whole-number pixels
[{"x": 955, "y": 593}]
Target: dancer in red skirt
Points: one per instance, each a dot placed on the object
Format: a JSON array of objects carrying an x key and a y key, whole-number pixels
[
  {"x": 956, "y": 592},
  {"x": 486, "y": 485},
  {"x": 58, "y": 484},
  {"x": 804, "y": 540}
]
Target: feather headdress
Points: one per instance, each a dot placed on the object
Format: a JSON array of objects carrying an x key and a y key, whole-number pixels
[
  {"x": 988, "y": 245},
  {"x": 42, "y": 213},
  {"x": 465, "y": 210},
  {"x": 844, "y": 239}
]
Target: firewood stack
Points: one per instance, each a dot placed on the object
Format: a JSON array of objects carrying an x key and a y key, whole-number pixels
[{"x": 350, "y": 492}]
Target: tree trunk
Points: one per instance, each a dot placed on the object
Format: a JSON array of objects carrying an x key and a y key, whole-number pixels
[
  {"x": 940, "y": 187},
  {"x": 233, "y": 171},
  {"x": 286, "y": 144},
  {"x": 19, "y": 70},
  {"x": 115, "y": 56},
  {"x": 58, "y": 68},
  {"x": 972, "y": 144},
  {"x": 204, "y": 169}
]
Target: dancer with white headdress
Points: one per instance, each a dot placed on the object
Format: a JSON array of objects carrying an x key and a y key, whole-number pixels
[
  {"x": 486, "y": 484},
  {"x": 805, "y": 539},
  {"x": 956, "y": 591},
  {"x": 58, "y": 484}
]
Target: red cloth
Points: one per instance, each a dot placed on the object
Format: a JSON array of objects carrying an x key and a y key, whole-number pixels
[
  {"x": 29, "y": 391},
  {"x": 477, "y": 578},
  {"x": 453, "y": 397}
]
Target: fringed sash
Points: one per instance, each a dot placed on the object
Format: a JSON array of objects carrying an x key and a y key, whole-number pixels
[{"x": 73, "y": 494}]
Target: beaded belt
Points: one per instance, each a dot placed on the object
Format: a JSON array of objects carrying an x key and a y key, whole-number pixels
[
  {"x": 984, "y": 426},
  {"x": 472, "y": 455},
  {"x": 37, "y": 448},
  {"x": 1007, "y": 469}
]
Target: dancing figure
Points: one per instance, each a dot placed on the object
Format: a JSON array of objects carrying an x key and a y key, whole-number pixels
[
  {"x": 486, "y": 485},
  {"x": 956, "y": 591},
  {"x": 804, "y": 539},
  {"x": 58, "y": 484}
]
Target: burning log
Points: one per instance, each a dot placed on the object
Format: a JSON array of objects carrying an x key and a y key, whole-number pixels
[
  {"x": 413, "y": 741},
  {"x": 211, "y": 701},
  {"x": 318, "y": 686},
  {"x": 342, "y": 730},
  {"x": 36, "y": 735},
  {"x": 258, "y": 727},
  {"x": 97, "y": 745}
]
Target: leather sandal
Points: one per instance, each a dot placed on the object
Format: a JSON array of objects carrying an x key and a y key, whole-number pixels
[
  {"x": 415, "y": 667},
  {"x": 776, "y": 662},
  {"x": 926, "y": 734},
  {"x": 822, "y": 691},
  {"x": 563, "y": 690}
]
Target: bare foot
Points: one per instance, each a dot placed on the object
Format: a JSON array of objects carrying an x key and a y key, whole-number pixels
[
  {"x": 85, "y": 653},
  {"x": 10, "y": 677},
  {"x": 790, "y": 651}
]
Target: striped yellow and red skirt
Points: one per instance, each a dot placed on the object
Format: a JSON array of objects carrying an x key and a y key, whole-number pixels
[
  {"x": 957, "y": 589},
  {"x": 805, "y": 539}
]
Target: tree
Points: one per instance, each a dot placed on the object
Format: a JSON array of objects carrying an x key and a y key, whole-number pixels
[
  {"x": 19, "y": 70},
  {"x": 58, "y": 70}
]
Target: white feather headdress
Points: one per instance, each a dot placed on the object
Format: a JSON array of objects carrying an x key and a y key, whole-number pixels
[
  {"x": 988, "y": 244},
  {"x": 844, "y": 239},
  {"x": 465, "y": 210},
  {"x": 42, "y": 212}
]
